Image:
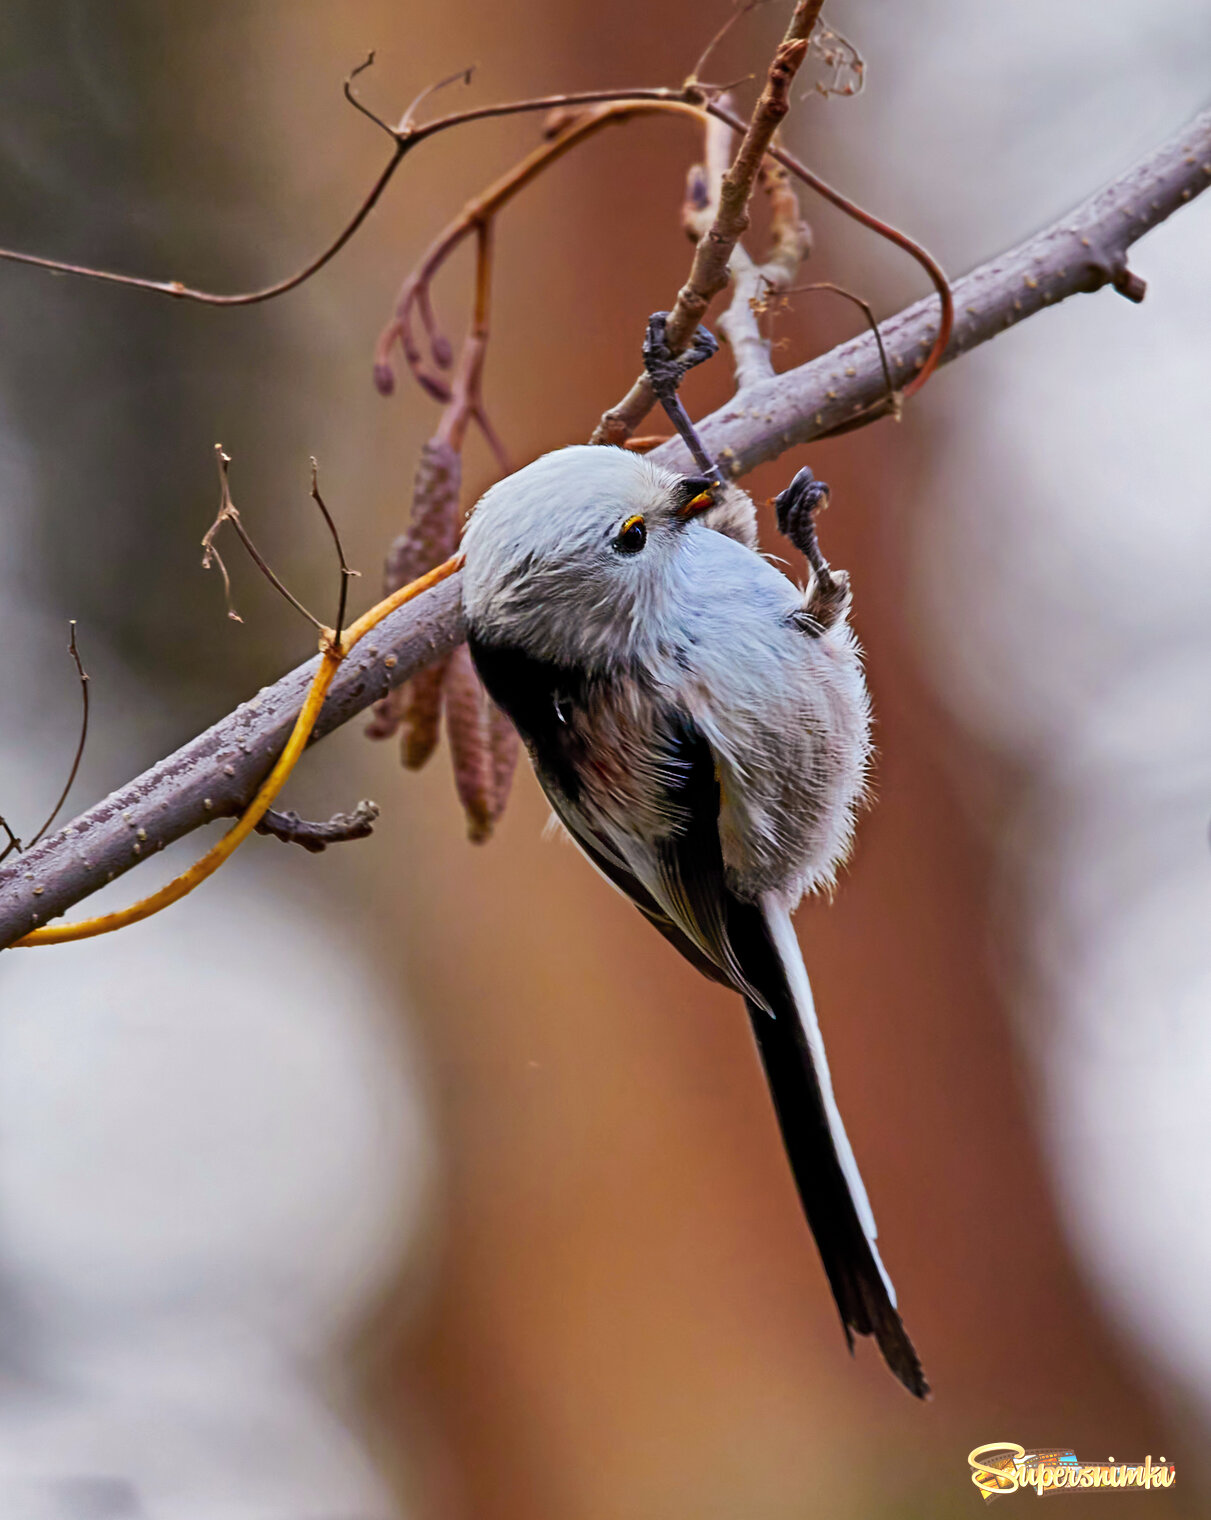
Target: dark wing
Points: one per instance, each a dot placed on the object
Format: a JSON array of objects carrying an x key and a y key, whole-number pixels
[
  {"x": 544, "y": 699},
  {"x": 621, "y": 876}
]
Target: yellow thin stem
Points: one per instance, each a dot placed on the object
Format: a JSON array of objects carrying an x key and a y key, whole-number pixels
[{"x": 180, "y": 886}]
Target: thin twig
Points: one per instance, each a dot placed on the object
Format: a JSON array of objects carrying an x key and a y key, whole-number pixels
[
  {"x": 889, "y": 404},
  {"x": 13, "y": 842},
  {"x": 356, "y": 103},
  {"x": 739, "y": 10},
  {"x": 405, "y": 139},
  {"x": 466, "y": 397},
  {"x": 885, "y": 230},
  {"x": 416, "y": 292},
  {"x": 210, "y": 554},
  {"x": 712, "y": 252},
  {"x": 181, "y": 292},
  {"x": 215, "y": 774},
  {"x": 82, "y": 676},
  {"x": 316, "y": 837},
  {"x": 408, "y": 120},
  {"x": 346, "y": 574}
]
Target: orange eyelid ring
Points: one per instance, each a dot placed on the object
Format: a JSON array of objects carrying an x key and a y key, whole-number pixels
[
  {"x": 631, "y": 522},
  {"x": 696, "y": 504}
]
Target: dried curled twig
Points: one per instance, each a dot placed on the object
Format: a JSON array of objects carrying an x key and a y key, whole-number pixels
[{"x": 316, "y": 837}]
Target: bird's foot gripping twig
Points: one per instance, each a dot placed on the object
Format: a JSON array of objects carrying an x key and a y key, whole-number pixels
[
  {"x": 666, "y": 371},
  {"x": 828, "y": 596}
]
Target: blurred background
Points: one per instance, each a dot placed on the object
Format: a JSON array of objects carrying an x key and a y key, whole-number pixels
[{"x": 420, "y": 1179}]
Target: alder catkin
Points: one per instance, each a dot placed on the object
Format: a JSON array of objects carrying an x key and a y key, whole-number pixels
[
  {"x": 420, "y": 714},
  {"x": 429, "y": 539},
  {"x": 433, "y": 531},
  {"x": 387, "y": 714},
  {"x": 470, "y": 747},
  {"x": 505, "y": 746}
]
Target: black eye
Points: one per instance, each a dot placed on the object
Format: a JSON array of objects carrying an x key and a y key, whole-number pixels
[{"x": 631, "y": 536}]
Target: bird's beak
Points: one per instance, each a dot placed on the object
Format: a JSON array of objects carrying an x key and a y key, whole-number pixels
[{"x": 699, "y": 497}]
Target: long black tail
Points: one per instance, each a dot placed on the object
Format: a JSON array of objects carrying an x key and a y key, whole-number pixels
[{"x": 826, "y": 1174}]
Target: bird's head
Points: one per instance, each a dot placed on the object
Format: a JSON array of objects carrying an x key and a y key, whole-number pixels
[{"x": 574, "y": 557}]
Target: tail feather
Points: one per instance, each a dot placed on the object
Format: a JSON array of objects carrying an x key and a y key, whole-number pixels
[{"x": 826, "y": 1174}]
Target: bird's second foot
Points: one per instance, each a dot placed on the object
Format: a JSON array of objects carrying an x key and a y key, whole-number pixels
[{"x": 828, "y": 595}]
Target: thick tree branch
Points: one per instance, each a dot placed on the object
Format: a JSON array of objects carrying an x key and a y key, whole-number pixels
[
  {"x": 215, "y": 774},
  {"x": 1081, "y": 252}
]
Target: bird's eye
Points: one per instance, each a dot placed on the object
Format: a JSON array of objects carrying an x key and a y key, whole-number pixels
[{"x": 631, "y": 536}]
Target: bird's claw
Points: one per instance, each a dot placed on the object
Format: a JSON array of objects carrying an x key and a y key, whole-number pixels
[
  {"x": 666, "y": 371},
  {"x": 796, "y": 507}
]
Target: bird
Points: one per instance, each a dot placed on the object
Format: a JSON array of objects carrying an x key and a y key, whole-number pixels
[{"x": 701, "y": 728}]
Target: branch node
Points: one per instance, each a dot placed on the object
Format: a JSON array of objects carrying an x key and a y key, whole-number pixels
[
  {"x": 315, "y": 837},
  {"x": 1129, "y": 284},
  {"x": 13, "y": 842}
]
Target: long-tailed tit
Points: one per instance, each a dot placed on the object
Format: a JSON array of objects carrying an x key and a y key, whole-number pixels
[{"x": 701, "y": 728}]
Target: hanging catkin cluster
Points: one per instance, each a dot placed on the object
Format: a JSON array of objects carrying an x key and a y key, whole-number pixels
[{"x": 483, "y": 743}]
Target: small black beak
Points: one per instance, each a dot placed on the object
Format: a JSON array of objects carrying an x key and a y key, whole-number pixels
[{"x": 697, "y": 495}]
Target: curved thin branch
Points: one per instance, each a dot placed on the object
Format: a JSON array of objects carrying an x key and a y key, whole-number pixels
[
  {"x": 182, "y": 292},
  {"x": 889, "y": 406},
  {"x": 415, "y": 293},
  {"x": 407, "y": 137},
  {"x": 13, "y": 842},
  {"x": 885, "y": 230},
  {"x": 217, "y": 773},
  {"x": 82, "y": 677}
]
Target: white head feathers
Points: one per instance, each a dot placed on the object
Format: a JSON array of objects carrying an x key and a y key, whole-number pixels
[{"x": 546, "y": 563}]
